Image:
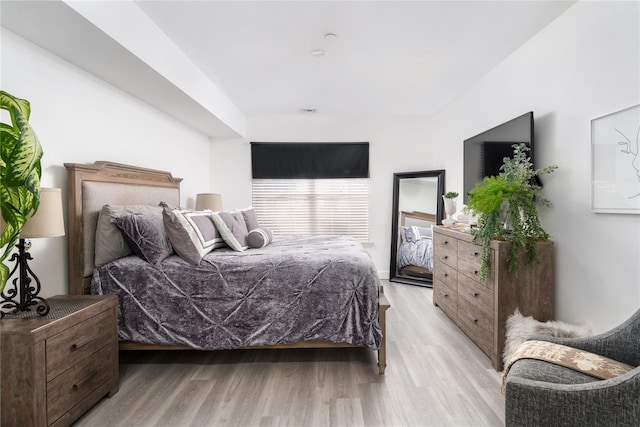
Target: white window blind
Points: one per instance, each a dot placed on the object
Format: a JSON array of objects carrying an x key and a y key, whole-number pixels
[{"x": 313, "y": 206}]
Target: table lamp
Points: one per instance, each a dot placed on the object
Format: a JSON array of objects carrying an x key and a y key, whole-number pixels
[
  {"x": 211, "y": 201},
  {"x": 48, "y": 221}
]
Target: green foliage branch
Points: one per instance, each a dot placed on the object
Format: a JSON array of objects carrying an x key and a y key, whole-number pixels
[
  {"x": 20, "y": 172},
  {"x": 511, "y": 198}
]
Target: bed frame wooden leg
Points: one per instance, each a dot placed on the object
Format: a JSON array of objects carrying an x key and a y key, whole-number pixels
[{"x": 382, "y": 319}]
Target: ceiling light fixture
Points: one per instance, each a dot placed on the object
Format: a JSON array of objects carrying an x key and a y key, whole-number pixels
[
  {"x": 308, "y": 110},
  {"x": 318, "y": 53},
  {"x": 330, "y": 36}
]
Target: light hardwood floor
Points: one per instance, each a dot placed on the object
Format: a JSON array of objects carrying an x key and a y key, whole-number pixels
[{"x": 435, "y": 376}]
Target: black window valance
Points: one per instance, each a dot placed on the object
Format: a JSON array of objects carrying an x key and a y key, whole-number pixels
[{"x": 309, "y": 160}]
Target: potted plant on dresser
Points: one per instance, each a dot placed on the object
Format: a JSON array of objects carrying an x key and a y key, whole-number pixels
[
  {"x": 482, "y": 276},
  {"x": 450, "y": 205},
  {"x": 507, "y": 209}
]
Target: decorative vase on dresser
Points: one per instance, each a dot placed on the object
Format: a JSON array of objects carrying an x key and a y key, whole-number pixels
[
  {"x": 480, "y": 308},
  {"x": 55, "y": 367}
]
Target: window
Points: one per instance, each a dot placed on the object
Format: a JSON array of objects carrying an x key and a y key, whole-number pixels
[
  {"x": 313, "y": 206},
  {"x": 311, "y": 189}
]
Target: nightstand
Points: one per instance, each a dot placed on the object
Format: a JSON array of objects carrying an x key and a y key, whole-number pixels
[{"x": 56, "y": 367}]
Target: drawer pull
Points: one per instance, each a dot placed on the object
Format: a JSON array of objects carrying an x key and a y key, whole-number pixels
[
  {"x": 83, "y": 342},
  {"x": 446, "y": 274},
  {"x": 446, "y": 242},
  {"x": 476, "y": 254},
  {"x": 446, "y": 295},
  {"x": 83, "y": 381},
  {"x": 446, "y": 257},
  {"x": 473, "y": 294},
  {"x": 473, "y": 319}
]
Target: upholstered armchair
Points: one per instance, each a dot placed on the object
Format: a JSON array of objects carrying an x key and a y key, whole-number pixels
[{"x": 540, "y": 393}]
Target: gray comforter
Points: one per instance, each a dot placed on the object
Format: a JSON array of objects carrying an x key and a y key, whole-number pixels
[
  {"x": 418, "y": 253},
  {"x": 295, "y": 289}
]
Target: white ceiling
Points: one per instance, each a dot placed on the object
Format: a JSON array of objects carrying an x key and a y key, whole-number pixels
[{"x": 389, "y": 57}]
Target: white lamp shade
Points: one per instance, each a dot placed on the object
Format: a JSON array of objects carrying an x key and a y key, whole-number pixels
[
  {"x": 210, "y": 201},
  {"x": 48, "y": 220}
]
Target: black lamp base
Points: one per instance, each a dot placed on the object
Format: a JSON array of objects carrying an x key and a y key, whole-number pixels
[{"x": 22, "y": 296}]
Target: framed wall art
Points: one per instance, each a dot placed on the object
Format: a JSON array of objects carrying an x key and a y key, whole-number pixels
[{"x": 615, "y": 162}]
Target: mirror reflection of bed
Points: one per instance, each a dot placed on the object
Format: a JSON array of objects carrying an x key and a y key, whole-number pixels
[
  {"x": 417, "y": 206},
  {"x": 415, "y": 249}
]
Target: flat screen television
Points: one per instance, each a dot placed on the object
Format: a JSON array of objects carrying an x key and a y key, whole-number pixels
[{"x": 485, "y": 152}]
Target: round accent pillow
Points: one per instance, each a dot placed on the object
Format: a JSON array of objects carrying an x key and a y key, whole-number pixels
[{"x": 259, "y": 237}]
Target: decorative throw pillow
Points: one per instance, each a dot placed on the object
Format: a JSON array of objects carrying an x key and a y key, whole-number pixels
[
  {"x": 192, "y": 233},
  {"x": 250, "y": 218},
  {"x": 415, "y": 233},
  {"x": 110, "y": 244},
  {"x": 231, "y": 230},
  {"x": 145, "y": 235},
  {"x": 259, "y": 237}
]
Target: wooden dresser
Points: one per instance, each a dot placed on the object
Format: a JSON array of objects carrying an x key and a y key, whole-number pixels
[
  {"x": 56, "y": 367},
  {"x": 480, "y": 308}
]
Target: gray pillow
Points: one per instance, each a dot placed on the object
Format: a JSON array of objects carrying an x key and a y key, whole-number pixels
[
  {"x": 250, "y": 218},
  {"x": 110, "y": 244},
  {"x": 192, "y": 233},
  {"x": 415, "y": 233},
  {"x": 145, "y": 234},
  {"x": 232, "y": 231},
  {"x": 259, "y": 237}
]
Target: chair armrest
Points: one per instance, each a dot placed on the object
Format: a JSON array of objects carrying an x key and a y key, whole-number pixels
[
  {"x": 614, "y": 402},
  {"x": 621, "y": 343}
]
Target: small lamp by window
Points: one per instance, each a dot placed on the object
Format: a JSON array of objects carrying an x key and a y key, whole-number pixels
[
  {"x": 48, "y": 221},
  {"x": 211, "y": 201}
]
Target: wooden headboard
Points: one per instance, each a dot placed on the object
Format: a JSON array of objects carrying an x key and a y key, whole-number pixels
[
  {"x": 417, "y": 218},
  {"x": 91, "y": 186}
]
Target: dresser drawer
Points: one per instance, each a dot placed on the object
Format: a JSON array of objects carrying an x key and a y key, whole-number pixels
[
  {"x": 443, "y": 273},
  {"x": 469, "y": 256},
  {"x": 477, "y": 294},
  {"x": 445, "y": 297},
  {"x": 477, "y": 324},
  {"x": 445, "y": 249},
  {"x": 75, "y": 384},
  {"x": 67, "y": 348}
]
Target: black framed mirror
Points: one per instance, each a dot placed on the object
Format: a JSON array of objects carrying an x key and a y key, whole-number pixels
[{"x": 417, "y": 205}]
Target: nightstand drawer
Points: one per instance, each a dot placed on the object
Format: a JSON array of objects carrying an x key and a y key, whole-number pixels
[
  {"x": 69, "y": 347},
  {"x": 68, "y": 389}
]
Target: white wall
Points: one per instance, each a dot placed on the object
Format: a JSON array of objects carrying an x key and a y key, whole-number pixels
[
  {"x": 81, "y": 119},
  {"x": 583, "y": 65}
]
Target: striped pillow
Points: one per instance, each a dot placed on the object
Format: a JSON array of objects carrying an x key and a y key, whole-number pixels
[
  {"x": 232, "y": 231},
  {"x": 193, "y": 234}
]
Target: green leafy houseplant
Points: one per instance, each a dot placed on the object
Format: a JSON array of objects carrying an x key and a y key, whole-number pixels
[
  {"x": 507, "y": 206},
  {"x": 451, "y": 195},
  {"x": 20, "y": 172}
]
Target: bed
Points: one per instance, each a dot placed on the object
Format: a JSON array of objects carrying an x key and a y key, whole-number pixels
[
  {"x": 415, "y": 247},
  {"x": 259, "y": 298}
]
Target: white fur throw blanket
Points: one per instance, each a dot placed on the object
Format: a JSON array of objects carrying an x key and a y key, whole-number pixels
[{"x": 520, "y": 327}]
